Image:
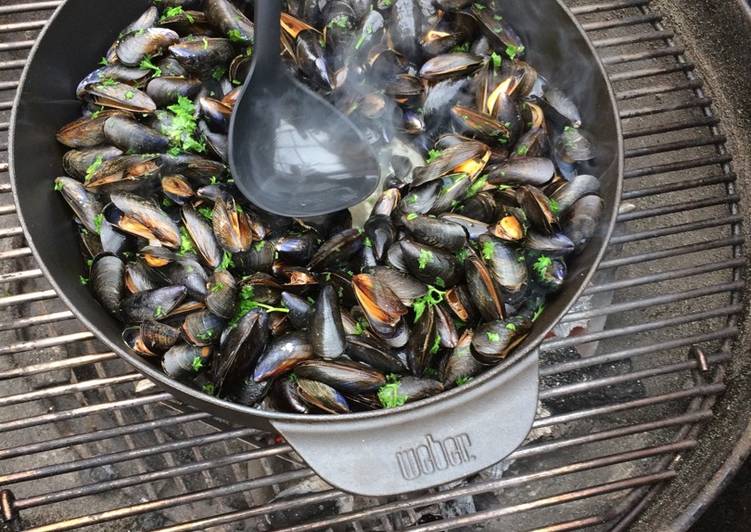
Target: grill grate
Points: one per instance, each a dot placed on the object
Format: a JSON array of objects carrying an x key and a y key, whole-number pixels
[{"x": 86, "y": 443}]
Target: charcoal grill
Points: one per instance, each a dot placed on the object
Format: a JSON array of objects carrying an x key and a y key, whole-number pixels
[{"x": 643, "y": 415}]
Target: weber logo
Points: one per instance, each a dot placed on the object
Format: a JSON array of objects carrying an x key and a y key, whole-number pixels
[{"x": 434, "y": 455}]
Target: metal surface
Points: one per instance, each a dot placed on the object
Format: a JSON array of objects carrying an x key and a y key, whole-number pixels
[{"x": 81, "y": 447}]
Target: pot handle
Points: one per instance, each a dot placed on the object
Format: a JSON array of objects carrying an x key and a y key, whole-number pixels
[{"x": 425, "y": 447}]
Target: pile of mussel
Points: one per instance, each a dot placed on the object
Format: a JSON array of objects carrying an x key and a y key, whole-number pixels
[{"x": 432, "y": 281}]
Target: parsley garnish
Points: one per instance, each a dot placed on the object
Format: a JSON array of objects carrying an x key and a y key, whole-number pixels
[
  {"x": 206, "y": 212},
  {"x": 432, "y": 298},
  {"x": 166, "y": 202},
  {"x": 389, "y": 396},
  {"x": 487, "y": 250},
  {"x": 103, "y": 61},
  {"x": 58, "y": 185},
  {"x": 208, "y": 388},
  {"x": 462, "y": 255},
  {"x": 206, "y": 335},
  {"x": 219, "y": 73},
  {"x": 246, "y": 303},
  {"x": 538, "y": 312},
  {"x": 496, "y": 60},
  {"x": 227, "y": 261},
  {"x": 98, "y": 221},
  {"x": 541, "y": 265},
  {"x": 433, "y": 155},
  {"x": 234, "y": 35},
  {"x": 339, "y": 21},
  {"x": 159, "y": 312},
  {"x": 197, "y": 363},
  {"x": 554, "y": 208},
  {"x": 511, "y": 327},
  {"x": 360, "y": 327},
  {"x": 425, "y": 257},
  {"x": 439, "y": 282},
  {"x": 258, "y": 246},
  {"x": 108, "y": 82},
  {"x": 522, "y": 150},
  {"x": 464, "y": 48},
  {"x": 412, "y": 199},
  {"x": 183, "y": 127},
  {"x": 130, "y": 95},
  {"x": 493, "y": 337},
  {"x": 368, "y": 243},
  {"x": 477, "y": 186},
  {"x": 93, "y": 167},
  {"x": 83, "y": 280},
  {"x": 512, "y": 51},
  {"x": 217, "y": 287},
  {"x": 411, "y": 216},
  {"x": 478, "y": 7},
  {"x": 461, "y": 381},
  {"x": 186, "y": 242},
  {"x": 436, "y": 345},
  {"x": 147, "y": 64}
]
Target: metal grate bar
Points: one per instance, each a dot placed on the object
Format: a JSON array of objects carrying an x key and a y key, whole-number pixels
[
  {"x": 651, "y": 72},
  {"x": 632, "y": 39},
  {"x": 25, "y": 371},
  {"x": 676, "y": 207},
  {"x": 676, "y": 146},
  {"x": 677, "y": 229},
  {"x": 641, "y": 56},
  {"x": 679, "y": 186},
  {"x": 55, "y": 391},
  {"x": 658, "y": 89},
  {"x": 620, "y": 22},
  {"x": 53, "y": 341},
  {"x": 669, "y": 127},
  {"x": 677, "y": 166},
  {"x": 607, "y": 6},
  {"x": 31, "y": 6},
  {"x": 665, "y": 108}
]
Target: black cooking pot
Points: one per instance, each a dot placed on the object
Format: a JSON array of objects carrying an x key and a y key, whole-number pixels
[{"x": 375, "y": 453}]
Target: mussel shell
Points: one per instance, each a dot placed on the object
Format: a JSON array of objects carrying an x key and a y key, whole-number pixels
[
  {"x": 522, "y": 171},
  {"x": 322, "y": 397},
  {"x": 240, "y": 347},
  {"x": 453, "y": 189},
  {"x": 189, "y": 273},
  {"x": 120, "y": 96},
  {"x": 77, "y": 162},
  {"x": 496, "y": 29},
  {"x": 483, "y": 289},
  {"x": 493, "y": 341},
  {"x": 373, "y": 353},
  {"x": 479, "y": 125},
  {"x": 326, "y": 331},
  {"x": 166, "y": 90},
  {"x": 406, "y": 287},
  {"x": 139, "y": 277},
  {"x": 135, "y": 46},
  {"x": 132, "y": 338},
  {"x": 337, "y": 249},
  {"x": 572, "y": 191},
  {"x": 133, "y": 137},
  {"x": 467, "y": 157},
  {"x": 381, "y": 233},
  {"x": 482, "y": 207},
  {"x": 215, "y": 113},
  {"x": 249, "y": 392},
  {"x": 431, "y": 265},
  {"x": 421, "y": 342},
  {"x": 460, "y": 363},
  {"x": 312, "y": 61},
  {"x": 150, "y": 215},
  {"x": 126, "y": 173},
  {"x": 504, "y": 264},
  {"x": 151, "y": 304},
  {"x": 461, "y": 304},
  {"x": 85, "y": 132},
  {"x": 177, "y": 188},
  {"x": 345, "y": 376},
  {"x": 449, "y": 65},
  {"x": 106, "y": 280},
  {"x": 414, "y": 388},
  {"x": 232, "y": 227},
  {"x": 188, "y": 23},
  {"x": 282, "y": 355},
  {"x": 300, "y": 310},
  {"x": 203, "y": 328},
  {"x": 179, "y": 361},
  {"x": 473, "y": 228},
  {"x": 437, "y": 232},
  {"x": 230, "y": 20},
  {"x": 583, "y": 219},
  {"x": 222, "y": 291},
  {"x": 202, "y": 56},
  {"x": 421, "y": 199},
  {"x": 148, "y": 19},
  {"x": 445, "y": 327},
  {"x": 158, "y": 337},
  {"x": 509, "y": 228},
  {"x": 259, "y": 258},
  {"x": 381, "y": 306},
  {"x": 537, "y": 208},
  {"x": 555, "y": 245},
  {"x": 202, "y": 235},
  {"x": 86, "y": 206},
  {"x": 297, "y": 249},
  {"x": 194, "y": 167}
]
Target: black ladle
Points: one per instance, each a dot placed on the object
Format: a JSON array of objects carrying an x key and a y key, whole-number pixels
[{"x": 291, "y": 152}]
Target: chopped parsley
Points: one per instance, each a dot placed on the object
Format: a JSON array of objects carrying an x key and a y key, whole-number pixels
[
  {"x": 246, "y": 303},
  {"x": 461, "y": 381},
  {"x": 98, "y": 221},
  {"x": 538, "y": 312},
  {"x": 493, "y": 337},
  {"x": 206, "y": 212},
  {"x": 477, "y": 186},
  {"x": 206, "y": 335},
  {"x": 368, "y": 243},
  {"x": 513, "y": 51},
  {"x": 339, "y": 21},
  {"x": 227, "y": 261},
  {"x": 166, "y": 202},
  {"x": 504, "y": 187},
  {"x": 487, "y": 250},
  {"x": 440, "y": 283},
  {"x": 183, "y": 126},
  {"x": 522, "y": 150},
  {"x": 205, "y": 43},
  {"x": 83, "y": 280},
  {"x": 108, "y": 82},
  {"x": 147, "y": 64},
  {"x": 432, "y": 298},
  {"x": 461, "y": 48},
  {"x": 217, "y": 287},
  {"x": 462, "y": 255},
  {"x": 176, "y": 12},
  {"x": 130, "y": 95},
  {"x": 424, "y": 259},
  {"x": 511, "y": 327},
  {"x": 197, "y": 364},
  {"x": 478, "y": 7},
  {"x": 208, "y": 388},
  {"x": 411, "y": 216},
  {"x": 389, "y": 396},
  {"x": 159, "y": 312},
  {"x": 235, "y": 35},
  {"x": 436, "y": 345},
  {"x": 496, "y": 60},
  {"x": 186, "y": 242},
  {"x": 412, "y": 199},
  {"x": 258, "y": 246},
  {"x": 433, "y": 155},
  {"x": 219, "y": 73},
  {"x": 103, "y": 61},
  {"x": 366, "y": 31},
  {"x": 541, "y": 265},
  {"x": 58, "y": 185},
  {"x": 360, "y": 327},
  {"x": 554, "y": 207}
]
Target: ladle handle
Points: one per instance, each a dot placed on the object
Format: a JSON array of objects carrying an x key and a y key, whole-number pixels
[{"x": 267, "y": 36}]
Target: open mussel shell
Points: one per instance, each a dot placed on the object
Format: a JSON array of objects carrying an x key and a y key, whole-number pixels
[
  {"x": 230, "y": 20},
  {"x": 149, "y": 215},
  {"x": 337, "y": 249},
  {"x": 202, "y": 235},
  {"x": 438, "y": 232},
  {"x": 85, "y": 205},
  {"x": 259, "y": 258},
  {"x": 151, "y": 304},
  {"x": 135, "y": 46},
  {"x": 479, "y": 125},
  {"x": 468, "y": 157},
  {"x": 85, "y": 132},
  {"x": 222, "y": 291},
  {"x": 382, "y": 308},
  {"x": 374, "y": 353},
  {"x": 158, "y": 337},
  {"x": 188, "y": 23},
  {"x": 126, "y": 173},
  {"x": 188, "y": 272},
  {"x": 537, "y": 208},
  {"x": 504, "y": 264},
  {"x": 282, "y": 355},
  {"x": 76, "y": 163},
  {"x": 322, "y": 397},
  {"x": 128, "y": 75},
  {"x": 117, "y": 95},
  {"x": 461, "y": 304},
  {"x": 132, "y": 338},
  {"x": 483, "y": 289},
  {"x": 510, "y": 227},
  {"x": 239, "y": 349},
  {"x": 534, "y": 171},
  {"x": 285, "y": 397},
  {"x": 422, "y": 342},
  {"x": 232, "y": 226},
  {"x": 497, "y": 30},
  {"x": 326, "y": 331},
  {"x": 445, "y": 327},
  {"x": 473, "y": 228},
  {"x": 406, "y": 287},
  {"x": 167, "y": 89},
  {"x": 345, "y": 376},
  {"x": 139, "y": 277},
  {"x": 431, "y": 265},
  {"x": 177, "y": 188},
  {"x": 460, "y": 364},
  {"x": 572, "y": 191},
  {"x": 482, "y": 207},
  {"x": 493, "y": 341},
  {"x": 450, "y": 65},
  {"x": 583, "y": 219},
  {"x": 106, "y": 280},
  {"x": 203, "y": 328},
  {"x": 421, "y": 199},
  {"x": 183, "y": 361},
  {"x": 215, "y": 113},
  {"x": 133, "y": 137}
]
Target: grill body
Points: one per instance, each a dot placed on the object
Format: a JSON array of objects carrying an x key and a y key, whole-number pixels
[{"x": 629, "y": 431}]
